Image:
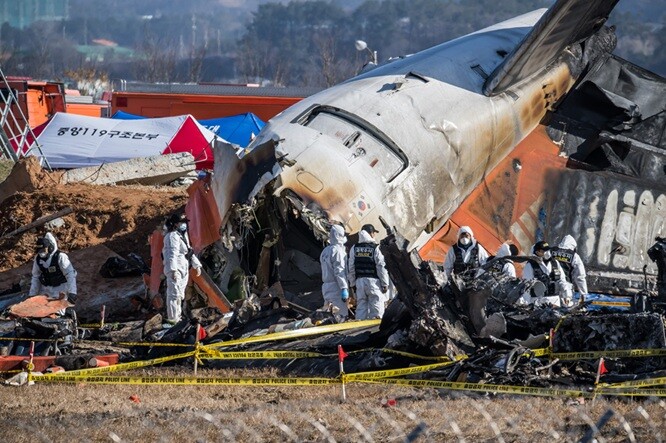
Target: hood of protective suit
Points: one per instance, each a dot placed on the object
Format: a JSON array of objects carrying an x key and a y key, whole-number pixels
[
  {"x": 364, "y": 237},
  {"x": 568, "y": 242},
  {"x": 337, "y": 235},
  {"x": 51, "y": 243},
  {"x": 503, "y": 251},
  {"x": 465, "y": 229},
  {"x": 541, "y": 259}
]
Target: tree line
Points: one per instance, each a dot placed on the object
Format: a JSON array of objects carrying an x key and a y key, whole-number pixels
[{"x": 301, "y": 43}]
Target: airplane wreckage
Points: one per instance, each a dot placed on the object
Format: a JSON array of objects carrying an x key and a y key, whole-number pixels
[{"x": 527, "y": 130}]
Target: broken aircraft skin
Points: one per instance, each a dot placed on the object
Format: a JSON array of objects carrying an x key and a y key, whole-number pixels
[{"x": 409, "y": 140}]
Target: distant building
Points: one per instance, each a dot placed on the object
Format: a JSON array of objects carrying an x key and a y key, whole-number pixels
[{"x": 22, "y": 13}]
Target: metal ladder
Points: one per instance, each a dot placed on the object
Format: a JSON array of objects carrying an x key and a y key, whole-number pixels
[{"x": 16, "y": 136}]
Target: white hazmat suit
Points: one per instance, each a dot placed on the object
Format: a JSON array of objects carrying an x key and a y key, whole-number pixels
[
  {"x": 507, "y": 267},
  {"x": 55, "y": 267},
  {"x": 564, "y": 295},
  {"x": 333, "y": 261},
  {"x": 176, "y": 268},
  {"x": 466, "y": 253},
  {"x": 370, "y": 298},
  {"x": 572, "y": 264}
]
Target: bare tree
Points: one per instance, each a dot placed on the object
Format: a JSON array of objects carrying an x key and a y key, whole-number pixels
[
  {"x": 253, "y": 58},
  {"x": 197, "y": 57},
  {"x": 325, "y": 44},
  {"x": 157, "y": 60},
  {"x": 41, "y": 42}
]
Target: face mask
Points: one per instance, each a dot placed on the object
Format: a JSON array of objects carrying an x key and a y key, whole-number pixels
[
  {"x": 465, "y": 241},
  {"x": 547, "y": 255},
  {"x": 182, "y": 227},
  {"x": 43, "y": 254}
]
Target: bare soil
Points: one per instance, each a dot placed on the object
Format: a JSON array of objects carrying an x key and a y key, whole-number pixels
[
  {"x": 85, "y": 412},
  {"x": 120, "y": 217}
]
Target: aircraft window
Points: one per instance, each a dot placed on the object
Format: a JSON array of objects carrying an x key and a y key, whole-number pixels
[
  {"x": 418, "y": 75},
  {"x": 479, "y": 70},
  {"x": 365, "y": 143},
  {"x": 352, "y": 139}
]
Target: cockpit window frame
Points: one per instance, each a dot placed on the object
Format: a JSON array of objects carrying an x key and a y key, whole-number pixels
[{"x": 314, "y": 110}]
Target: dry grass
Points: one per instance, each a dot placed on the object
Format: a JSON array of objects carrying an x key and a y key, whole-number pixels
[
  {"x": 5, "y": 168},
  {"x": 67, "y": 412}
]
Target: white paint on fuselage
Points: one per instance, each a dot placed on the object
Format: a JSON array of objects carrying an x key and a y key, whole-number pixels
[{"x": 451, "y": 133}]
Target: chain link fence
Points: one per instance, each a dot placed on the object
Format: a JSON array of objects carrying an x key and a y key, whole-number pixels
[{"x": 372, "y": 413}]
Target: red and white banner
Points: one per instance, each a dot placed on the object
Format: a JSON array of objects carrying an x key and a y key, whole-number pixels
[{"x": 74, "y": 141}]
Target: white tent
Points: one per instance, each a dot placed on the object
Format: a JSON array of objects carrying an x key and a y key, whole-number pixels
[{"x": 74, "y": 141}]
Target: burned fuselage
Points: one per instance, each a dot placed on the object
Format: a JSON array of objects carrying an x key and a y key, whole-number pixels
[{"x": 408, "y": 141}]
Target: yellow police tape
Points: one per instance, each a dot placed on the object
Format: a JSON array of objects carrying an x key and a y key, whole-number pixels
[
  {"x": 637, "y": 383},
  {"x": 294, "y": 381},
  {"x": 541, "y": 352},
  {"x": 239, "y": 355},
  {"x": 372, "y": 375},
  {"x": 297, "y": 333},
  {"x": 147, "y": 344},
  {"x": 520, "y": 390},
  {"x": 120, "y": 367},
  {"x": 189, "y": 380},
  {"x": 406, "y": 354},
  {"x": 285, "y": 335},
  {"x": 88, "y": 376},
  {"x": 213, "y": 354},
  {"x": 617, "y": 353},
  {"x": 633, "y": 393},
  {"x": 482, "y": 387}
]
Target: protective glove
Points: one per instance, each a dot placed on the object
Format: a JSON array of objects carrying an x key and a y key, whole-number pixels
[
  {"x": 344, "y": 294},
  {"x": 198, "y": 272},
  {"x": 71, "y": 297}
]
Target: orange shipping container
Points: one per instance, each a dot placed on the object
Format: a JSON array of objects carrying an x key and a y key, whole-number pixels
[{"x": 206, "y": 101}]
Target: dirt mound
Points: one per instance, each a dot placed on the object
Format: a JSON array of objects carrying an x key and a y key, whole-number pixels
[
  {"x": 26, "y": 176},
  {"x": 120, "y": 217}
]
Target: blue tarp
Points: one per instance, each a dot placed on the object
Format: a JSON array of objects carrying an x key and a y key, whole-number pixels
[
  {"x": 237, "y": 129},
  {"x": 120, "y": 115},
  {"x": 605, "y": 302}
]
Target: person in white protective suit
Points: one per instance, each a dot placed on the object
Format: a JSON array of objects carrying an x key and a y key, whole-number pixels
[
  {"x": 52, "y": 272},
  {"x": 572, "y": 265},
  {"x": 333, "y": 261},
  {"x": 549, "y": 272},
  {"x": 465, "y": 256},
  {"x": 506, "y": 266},
  {"x": 367, "y": 272},
  {"x": 178, "y": 258}
]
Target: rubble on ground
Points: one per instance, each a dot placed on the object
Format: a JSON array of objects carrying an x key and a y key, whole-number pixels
[{"x": 473, "y": 324}]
